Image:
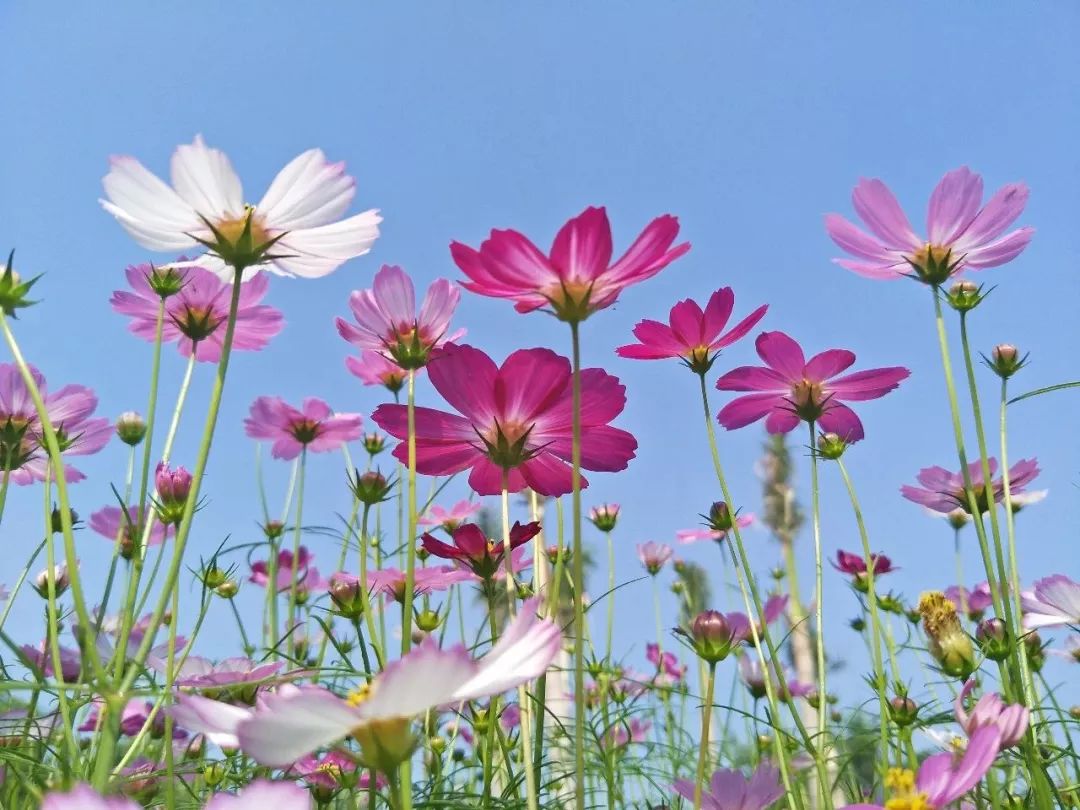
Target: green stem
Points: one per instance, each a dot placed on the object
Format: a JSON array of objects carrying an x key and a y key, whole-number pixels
[
  {"x": 706, "y": 717},
  {"x": 295, "y": 570},
  {"x": 819, "y": 608},
  {"x": 610, "y": 594},
  {"x": 579, "y": 578},
  {"x": 410, "y": 565},
  {"x": 4, "y": 481}
]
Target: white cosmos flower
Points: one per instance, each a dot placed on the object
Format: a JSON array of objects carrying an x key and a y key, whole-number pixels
[
  {"x": 303, "y": 206},
  {"x": 288, "y": 726}
]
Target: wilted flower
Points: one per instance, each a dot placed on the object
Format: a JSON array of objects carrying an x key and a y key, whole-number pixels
[
  {"x": 947, "y": 641},
  {"x": 943, "y": 491},
  {"x": 313, "y": 427}
]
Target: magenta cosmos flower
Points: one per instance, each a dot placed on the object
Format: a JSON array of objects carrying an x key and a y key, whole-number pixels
[
  {"x": 195, "y": 317},
  {"x": 854, "y": 565},
  {"x": 127, "y": 528},
  {"x": 474, "y": 551},
  {"x": 70, "y": 411},
  {"x": 730, "y": 790},
  {"x": 313, "y": 426},
  {"x": 576, "y": 278},
  {"x": 430, "y": 579},
  {"x": 295, "y": 230},
  {"x": 386, "y": 319},
  {"x": 943, "y": 491},
  {"x": 1053, "y": 602},
  {"x": 990, "y": 710},
  {"x": 260, "y": 569},
  {"x": 450, "y": 519},
  {"x": 515, "y": 418},
  {"x": 373, "y": 369},
  {"x": 695, "y": 336},
  {"x": 960, "y": 234},
  {"x": 972, "y": 602},
  {"x": 790, "y": 388}
]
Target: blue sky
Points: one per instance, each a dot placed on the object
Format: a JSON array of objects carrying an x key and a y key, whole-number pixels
[{"x": 749, "y": 122}]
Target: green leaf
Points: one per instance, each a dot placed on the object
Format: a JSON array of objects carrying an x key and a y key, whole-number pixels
[{"x": 1047, "y": 390}]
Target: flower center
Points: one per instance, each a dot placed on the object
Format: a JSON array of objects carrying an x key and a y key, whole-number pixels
[
  {"x": 905, "y": 796},
  {"x": 197, "y": 323},
  {"x": 933, "y": 264},
  {"x": 359, "y": 694},
  {"x": 507, "y": 444},
  {"x": 809, "y": 400},
  {"x": 570, "y": 299},
  {"x": 305, "y": 431},
  {"x": 700, "y": 359},
  {"x": 233, "y": 229}
]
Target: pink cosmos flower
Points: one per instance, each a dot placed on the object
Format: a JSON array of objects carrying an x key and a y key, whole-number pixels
[
  {"x": 110, "y": 631},
  {"x": 730, "y": 790},
  {"x": 84, "y": 797},
  {"x": 687, "y": 536},
  {"x": 386, "y": 319},
  {"x": 667, "y": 664},
  {"x": 944, "y": 778},
  {"x": 374, "y": 369},
  {"x": 216, "y": 721},
  {"x": 753, "y": 676},
  {"x": 450, "y": 519},
  {"x": 391, "y": 582},
  {"x": 127, "y": 526},
  {"x": 313, "y": 427},
  {"x": 325, "y": 775},
  {"x": 195, "y": 317},
  {"x": 70, "y": 411},
  {"x": 295, "y": 230},
  {"x": 261, "y": 795},
  {"x": 473, "y": 551},
  {"x": 854, "y": 565},
  {"x": 973, "y": 602},
  {"x": 739, "y": 623},
  {"x": 1053, "y": 602},
  {"x": 260, "y": 570},
  {"x": 576, "y": 278},
  {"x": 990, "y": 710},
  {"x": 517, "y": 418},
  {"x": 943, "y": 491},
  {"x": 654, "y": 556},
  {"x": 132, "y": 720},
  {"x": 291, "y": 726},
  {"x": 201, "y": 673},
  {"x": 960, "y": 234},
  {"x": 625, "y": 732},
  {"x": 790, "y": 388},
  {"x": 41, "y": 658},
  {"x": 694, "y": 335}
]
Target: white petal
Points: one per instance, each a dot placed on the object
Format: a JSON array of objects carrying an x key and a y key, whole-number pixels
[
  {"x": 218, "y": 721},
  {"x": 524, "y": 652},
  {"x": 289, "y": 726},
  {"x": 307, "y": 193},
  {"x": 314, "y": 252},
  {"x": 424, "y": 678},
  {"x": 260, "y": 795},
  {"x": 205, "y": 179}
]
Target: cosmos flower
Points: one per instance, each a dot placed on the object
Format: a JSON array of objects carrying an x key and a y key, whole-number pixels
[
  {"x": 215, "y": 720},
  {"x": 195, "y": 317},
  {"x": 961, "y": 235},
  {"x": 694, "y": 335},
  {"x": 654, "y": 556},
  {"x": 753, "y": 676},
  {"x": 669, "y": 670},
  {"x": 790, "y": 388},
  {"x": 730, "y": 790},
  {"x": 854, "y": 565},
  {"x": 84, "y": 797},
  {"x": 515, "y": 418},
  {"x": 41, "y": 658},
  {"x": 943, "y": 491},
  {"x": 306, "y": 575},
  {"x": 386, "y": 319},
  {"x": 430, "y": 579},
  {"x": 325, "y": 775},
  {"x": 739, "y": 622},
  {"x": 973, "y": 602},
  {"x": 1053, "y": 602},
  {"x": 625, "y": 732},
  {"x": 127, "y": 527},
  {"x": 687, "y": 536},
  {"x": 576, "y": 278},
  {"x": 473, "y": 550},
  {"x": 295, "y": 230},
  {"x": 313, "y": 426},
  {"x": 262, "y": 794},
  {"x": 374, "y": 369},
  {"x": 379, "y": 717},
  {"x": 449, "y": 519},
  {"x": 990, "y": 710},
  {"x": 132, "y": 719},
  {"x": 202, "y": 673}
]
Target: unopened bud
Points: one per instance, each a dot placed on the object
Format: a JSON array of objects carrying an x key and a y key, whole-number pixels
[
  {"x": 57, "y": 519},
  {"x": 374, "y": 443},
  {"x": 61, "y": 581},
  {"x": 131, "y": 428},
  {"x": 1036, "y": 653},
  {"x": 958, "y": 519},
  {"x": 227, "y": 589},
  {"x": 428, "y": 621},
  {"x": 347, "y": 595},
  {"x": 213, "y": 774},
  {"x": 903, "y": 710},
  {"x": 831, "y": 446},
  {"x": 720, "y": 517},
  {"x": 370, "y": 487},
  {"x": 711, "y": 636},
  {"x": 857, "y": 624},
  {"x": 1005, "y": 360},
  {"x": 605, "y": 516},
  {"x": 993, "y": 637},
  {"x": 273, "y": 529},
  {"x": 964, "y": 296}
]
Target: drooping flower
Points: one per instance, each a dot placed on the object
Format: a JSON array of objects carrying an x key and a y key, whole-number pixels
[
  {"x": 449, "y": 519},
  {"x": 943, "y": 491},
  {"x": 386, "y": 319},
  {"x": 474, "y": 551},
  {"x": 790, "y": 388},
  {"x": 654, "y": 556},
  {"x": 516, "y": 419},
  {"x": 694, "y": 335},
  {"x": 990, "y": 710},
  {"x": 70, "y": 411},
  {"x": 379, "y": 717},
  {"x": 374, "y": 369},
  {"x": 576, "y": 278},
  {"x": 961, "y": 235},
  {"x": 942, "y": 778},
  {"x": 295, "y": 230},
  {"x": 195, "y": 317},
  {"x": 1053, "y": 602},
  {"x": 313, "y": 426},
  {"x": 262, "y": 794},
  {"x": 84, "y": 797},
  {"x": 128, "y": 528},
  {"x": 730, "y": 790}
]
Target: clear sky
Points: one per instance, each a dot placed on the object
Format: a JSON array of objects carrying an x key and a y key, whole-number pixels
[{"x": 748, "y": 121}]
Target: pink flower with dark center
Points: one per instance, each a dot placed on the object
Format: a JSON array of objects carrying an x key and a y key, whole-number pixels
[
  {"x": 990, "y": 710},
  {"x": 70, "y": 411},
  {"x": 127, "y": 527},
  {"x": 374, "y": 369},
  {"x": 576, "y": 278},
  {"x": 516, "y": 421},
  {"x": 943, "y": 491},
  {"x": 386, "y": 319},
  {"x": 854, "y": 565},
  {"x": 961, "y": 235},
  {"x": 391, "y": 582},
  {"x": 260, "y": 570},
  {"x": 313, "y": 427},
  {"x": 790, "y": 388},
  {"x": 1053, "y": 602},
  {"x": 654, "y": 556},
  {"x": 195, "y": 317},
  {"x": 327, "y": 774},
  {"x": 449, "y": 519},
  {"x": 695, "y": 336},
  {"x": 474, "y": 551},
  {"x": 730, "y": 790}
]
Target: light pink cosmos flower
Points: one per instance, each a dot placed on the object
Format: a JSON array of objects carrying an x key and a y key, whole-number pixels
[
  {"x": 960, "y": 234},
  {"x": 576, "y": 278},
  {"x": 430, "y": 579},
  {"x": 313, "y": 426},
  {"x": 945, "y": 778},
  {"x": 325, "y": 775},
  {"x": 305, "y": 574},
  {"x": 202, "y": 673},
  {"x": 112, "y": 523},
  {"x": 687, "y": 536},
  {"x": 943, "y": 491},
  {"x": 973, "y": 602},
  {"x": 291, "y": 726},
  {"x": 41, "y": 658},
  {"x": 669, "y": 670},
  {"x": 990, "y": 710},
  {"x": 70, "y": 411},
  {"x": 374, "y": 369},
  {"x": 730, "y": 790},
  {"x": 386, "y": 319},
  {"x": 694, "y": 335},
  {"x": 1053, "y": 602},
  {"x": 301, "y": 210},
  {"x": 517, "y": 417},
  {"x": 196, "y": 315},
  {"x": 215, "y": 720},
  {"x": 84, "y": 797},
  {"x": 450, "y": 519},
  {"x": 790, "y": 388},
  {"x": 261, "y": 795},
  {"x": 654, "y": 556}
]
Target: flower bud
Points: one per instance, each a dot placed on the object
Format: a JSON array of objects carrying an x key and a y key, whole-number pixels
[
  {"x": 605, "y": 516},
  {"x": 370, "y": 487},
  {"x": 720, "y": 517},
  {"x": 1005, "y": 360},
  {"x": 166, "y": 280},
  {"x": 131, "y": 428},
  {"x": 227, "y": 589},
  {"x": 13, "y": 290},
  {"x": 428, "y": 621},
  {"x": 1036, "y": 652},
  {"x": 831, "y": 446},
  {"x": 858, "y": 624},
  {"x": 993, "y": 637},
  {"x": 903, "y": 711},
  {"x": 273, "y": 529},
  {"x": 212, "y": 577},
  {"x": 173, "y": 489},
  {"x": 61, "y": 581},
  {"x": 437, "y": 745},
  {"x": 958, "y": 519},
  {"x": 57, "y": 519},
  {"x": 711, "y": 636},
  {"x": 422, "y": 553},
  {"x": 214, "y": 774},
  {"x": 1074, "y": 712},
  {"x": 891, "y": 603},
  {"x": 347, "y": 595},
  {"x": 374, "y": 443},
  {"x": 964, "y": 296}
]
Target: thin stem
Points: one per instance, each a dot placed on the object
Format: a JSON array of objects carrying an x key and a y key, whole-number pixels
[
  {"x": 410, "y": 566},
  {"x": 819, "y": 588},
  {"x": 579, "y": 578},
  {"x": 610, "y": 593},
  {"x": 706, "y": 718},
  {"x": 295, "y": 570}
]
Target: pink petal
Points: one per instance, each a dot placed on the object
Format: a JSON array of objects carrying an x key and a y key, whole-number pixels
[
  {"x": 741, "y": 329},
  {"x": 515, "y": 263},
  {"x": 828, "y": 364},
  {"x": 393, "y": 290},
  {"x": 842, "y": 421},
  {"x": 745, "y": 410},
  {"x": 753, "y": 378},
  {"x": 997, "y": 253},
  {"x": 782, "y": 420},
  {"x": 717, "y": 312},
  {"x": 582, "y": 248},
  {"x": 856, "y": 241},
  {"x": 869, "y": 384},
  {"x": 289, "y": 726},
  {"x": 953, "y": 205},
  {"x": 649, "y": 253},
  {"x": 782, "y": 354},
  {"x": 529, "y": 382},
  {"x": 686, "y": 323},
  {"x": 466, "y": 379},
  {"x": 878, "y": 208},
  {"x": 997, "y": 215},
  {"x": 878, "y": 271}
]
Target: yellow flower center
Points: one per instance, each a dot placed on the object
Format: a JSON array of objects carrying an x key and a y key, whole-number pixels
[
  {"x": 232, "y": 229},
  {"x": 905, "y": 797},
  {"x": 930, "y": 254},
  {"x": 359, "y": 694}
]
